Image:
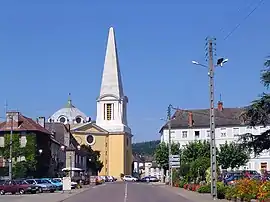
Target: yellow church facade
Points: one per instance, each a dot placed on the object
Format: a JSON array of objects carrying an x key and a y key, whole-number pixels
[{"x": 115, "y": 148}]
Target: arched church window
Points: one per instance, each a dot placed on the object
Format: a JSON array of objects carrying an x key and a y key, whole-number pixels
[
  {"x": 78, "y": 120},
  {"x": 62, "y": 120},
  {"x": 90, "y": 139}
]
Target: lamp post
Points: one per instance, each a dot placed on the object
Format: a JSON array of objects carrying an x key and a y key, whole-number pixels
[{"x": 211, "y": 67}]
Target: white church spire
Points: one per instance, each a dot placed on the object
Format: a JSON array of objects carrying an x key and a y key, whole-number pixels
[
  {"x": 111, "y": 78},
  {"x": 112, "y": 103}
]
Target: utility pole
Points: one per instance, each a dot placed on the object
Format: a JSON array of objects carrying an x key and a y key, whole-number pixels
[
  {"x": 170, "y": 143},
  {"x": 10, "y": 148},
  {"x": 212, "y": 120}
]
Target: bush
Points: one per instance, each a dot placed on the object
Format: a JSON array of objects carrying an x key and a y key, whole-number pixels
[
  {"x": 221, "y": 190},
  {"x": 181, "y": 184},
  {"x": 204, "y": 189}
]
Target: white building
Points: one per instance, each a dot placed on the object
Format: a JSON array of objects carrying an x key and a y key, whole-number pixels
[{"x": 191, "y": 125}]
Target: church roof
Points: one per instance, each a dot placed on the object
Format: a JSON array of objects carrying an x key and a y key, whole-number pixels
[
  {"x": 111, "y": 84},
  {"x": 68, "y": 114}
]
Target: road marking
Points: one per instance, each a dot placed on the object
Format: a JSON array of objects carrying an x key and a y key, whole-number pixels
[{"x": 125, "y": 198}]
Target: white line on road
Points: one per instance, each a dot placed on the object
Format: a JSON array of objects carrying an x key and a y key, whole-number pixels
[{"x": 125, "y": 198}]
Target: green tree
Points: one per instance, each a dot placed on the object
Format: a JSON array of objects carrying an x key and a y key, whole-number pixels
[
  {"x": 194, "y": 150},
  {"x": 162, "y": 154},
  {"x": 93, "y": 157},
  {"x": 198, "y": 167},
  {"x": 232, "y": 156},
  {"x": 258, "y": 113}
]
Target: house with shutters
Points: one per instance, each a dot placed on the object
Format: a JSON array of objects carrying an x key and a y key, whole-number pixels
[{"x": 192, "y": 125}]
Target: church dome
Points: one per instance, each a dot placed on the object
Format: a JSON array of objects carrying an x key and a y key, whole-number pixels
[{"x": 69, "y": 114}]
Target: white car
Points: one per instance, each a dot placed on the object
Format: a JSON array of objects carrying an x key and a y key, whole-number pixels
[{"x": 129, "y": 178}]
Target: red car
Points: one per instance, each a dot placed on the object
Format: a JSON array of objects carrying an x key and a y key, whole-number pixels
[{"x": 17, "y": 186}]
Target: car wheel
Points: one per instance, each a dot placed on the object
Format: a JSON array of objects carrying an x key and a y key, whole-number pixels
[
  {"x": 40, "y": 190},
  {"x": 21, "y": 191},
  {"x": 52, "y": 191},
  {"x": 2, "y": 192}
]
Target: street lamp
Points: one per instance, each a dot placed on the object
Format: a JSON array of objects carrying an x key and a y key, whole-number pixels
[
  {"x": 40, "y": 151},
  {"x": 220, "y": 62}
]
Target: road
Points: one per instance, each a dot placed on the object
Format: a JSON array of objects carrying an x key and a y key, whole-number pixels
[
  {"x": 112, "y": 192},
  {"x": 127, "y": 192}
]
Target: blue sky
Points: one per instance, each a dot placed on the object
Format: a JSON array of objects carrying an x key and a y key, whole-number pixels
[{"x": 50, "y": 49}]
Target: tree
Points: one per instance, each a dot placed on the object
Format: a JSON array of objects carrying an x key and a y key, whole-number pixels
[
  {"x": 232, "y": 156},
  {"x": 198, "y": 167},
  {"x": 258, "y": 113},
  {"x": 93, "y": 159},
  {"x": 196, "y": 149},
  {"x": 162, "y": 154}
]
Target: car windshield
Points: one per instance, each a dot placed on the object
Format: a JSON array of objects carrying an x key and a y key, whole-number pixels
[
  {"x": 42, "y": 181},
  {"x": 54, "y": 181},
  {"x": 57, "y": 180}
]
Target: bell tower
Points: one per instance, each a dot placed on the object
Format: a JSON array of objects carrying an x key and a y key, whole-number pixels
[{"x": 112, "y": 103}]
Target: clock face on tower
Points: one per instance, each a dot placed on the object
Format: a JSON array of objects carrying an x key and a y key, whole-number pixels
[{"x": 90, "y": 139}]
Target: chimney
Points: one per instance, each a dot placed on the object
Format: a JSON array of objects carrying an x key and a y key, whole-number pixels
[
  {"x": 41, "y": 121},
  {"x": 190, "y": 119},
  {"x": 12, "y": 119},
  {"x": 220, "y": 106}
]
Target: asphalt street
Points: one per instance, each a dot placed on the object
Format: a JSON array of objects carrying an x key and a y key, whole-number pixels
[
  {"x": 112, "y": 192},
  {"x": 127, "y": 192}
]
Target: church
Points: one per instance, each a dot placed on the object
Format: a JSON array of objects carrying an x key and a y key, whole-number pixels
[{"x": 110, "y": 133}]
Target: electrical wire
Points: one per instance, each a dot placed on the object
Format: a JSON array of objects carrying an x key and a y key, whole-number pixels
[
  {"x": 244, "y": 19},
  {"x": 239, "y": 10}
]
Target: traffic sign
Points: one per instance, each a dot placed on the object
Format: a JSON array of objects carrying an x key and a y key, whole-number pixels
[
  {"x": 175, "y": 163},
  {"x": 174, "y": 159},
  {"x": 174, "y": 156}
]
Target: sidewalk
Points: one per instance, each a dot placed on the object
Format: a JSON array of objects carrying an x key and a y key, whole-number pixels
[
  {"x": 191, "y": 195},
  {"x": 44, "y": 197}
]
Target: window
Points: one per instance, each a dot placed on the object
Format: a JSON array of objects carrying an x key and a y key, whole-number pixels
[
  {"x": 223, "y": 132},
  {"x": 23, "y": 141},
  {"x": 2, "y": 141},
  {"x": 108, "y": 112},
  {"x": 197, "y": 134},
  {"x": 236, "y": 132},
  {"x": 78, "y": 120},
  {"x": 208, "y": 133},
  {"x": 184, "y": 134},
  {"x": 62, "y": 119},
  {"x": 264, "y": 166},
  {"x": 90, "y": 139}
]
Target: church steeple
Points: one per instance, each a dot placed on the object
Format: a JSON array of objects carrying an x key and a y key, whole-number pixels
[
  {"x": 112, "y": 102},
  {"x": 111, "y": 78}
]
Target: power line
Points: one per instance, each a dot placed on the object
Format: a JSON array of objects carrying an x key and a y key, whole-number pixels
[
  {"x": 244, "y": 19},
  {"x": 239, "y": 10}
]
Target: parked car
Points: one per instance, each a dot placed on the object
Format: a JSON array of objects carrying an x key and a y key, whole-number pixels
[
  {"x": 17, "y": 186},
  {"x": 57, "y": 184},
  {"x": 129, "y": 178},
  {"x": 111, "y": 179},
  {"x": 149, "y": 179},
  {"x": 44, "y": 185},
  {"x": 232, "y": 179}
]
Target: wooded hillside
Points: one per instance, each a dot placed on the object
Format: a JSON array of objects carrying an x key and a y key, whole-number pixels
[{"x": 145, "y": 148}]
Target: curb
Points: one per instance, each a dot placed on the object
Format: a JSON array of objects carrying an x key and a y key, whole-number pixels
[{"x": 75, "y": 194}]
